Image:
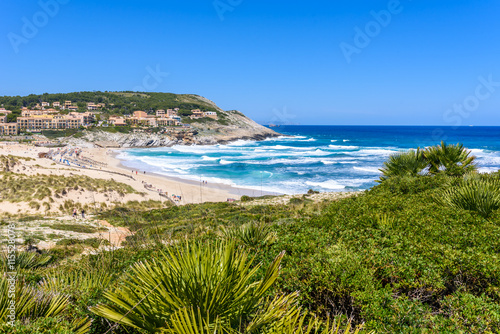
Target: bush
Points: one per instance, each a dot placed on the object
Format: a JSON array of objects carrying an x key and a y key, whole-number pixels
[
  {"x": 479, "y": 195},
  {"x": 245, "y": 198}
]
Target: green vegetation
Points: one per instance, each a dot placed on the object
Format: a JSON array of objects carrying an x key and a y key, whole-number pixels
[
  {"x": 410, "y": 163},
  {"x": 116, "y": 102},
  {"x": 76, "y": 228},
  {"x": 475, "y": 193},
  {"x": 53, "y": 134},
  {"x": 23, "y": 188},
  {"x": 453, "y": 160},
  {"x": 415, "y": 254}
]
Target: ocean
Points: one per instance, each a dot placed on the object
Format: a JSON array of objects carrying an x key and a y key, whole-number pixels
[{"x": 322, "y": 158}]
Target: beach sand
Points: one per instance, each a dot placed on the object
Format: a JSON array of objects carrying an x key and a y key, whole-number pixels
[{"x": 189, "y": 191}]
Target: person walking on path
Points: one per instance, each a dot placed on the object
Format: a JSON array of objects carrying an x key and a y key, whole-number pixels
[
  {"x": 83, "y": 213},
  {"x": 74, "y": 213}
]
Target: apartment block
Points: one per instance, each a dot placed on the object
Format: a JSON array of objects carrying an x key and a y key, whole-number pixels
[{"x": 8, "y": 129}]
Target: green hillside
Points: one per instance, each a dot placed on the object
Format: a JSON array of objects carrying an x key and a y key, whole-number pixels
[{"x": 116, "y": 102}]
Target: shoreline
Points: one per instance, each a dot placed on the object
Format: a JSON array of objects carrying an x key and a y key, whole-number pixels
[
  {"x": 236, "y": 191},
  {"x": 149, "y": 186}
]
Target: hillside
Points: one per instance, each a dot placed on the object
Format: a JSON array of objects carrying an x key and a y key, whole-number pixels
[{"x": 229, "y": 125}]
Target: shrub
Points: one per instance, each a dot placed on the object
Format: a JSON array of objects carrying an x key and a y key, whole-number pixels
[
  {"x": 453, "y": 160},
  {"x": 479, "y": 195},
  {"x": 410, "y": 163}
]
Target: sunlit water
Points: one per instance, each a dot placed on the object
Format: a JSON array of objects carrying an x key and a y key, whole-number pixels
[{"x": 323, "y": 158}]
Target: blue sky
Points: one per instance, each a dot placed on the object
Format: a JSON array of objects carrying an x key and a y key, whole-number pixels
[{"x": 317, "y": 62}]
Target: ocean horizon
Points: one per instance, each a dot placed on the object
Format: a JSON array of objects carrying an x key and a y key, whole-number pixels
[{"x": 322, "y": 158}]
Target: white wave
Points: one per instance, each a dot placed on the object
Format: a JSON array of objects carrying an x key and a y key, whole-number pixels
[
  {"x": 227, "y": 162},
  {"x": 284, "y": 138},
  {"x": 345, "y": 140},
  {"x": 307, "y": 140},
  {"x": 206, "y": 158},
  {"x": 328, "y": 162},
  {"x": 368, "y": 169},
  {"x": 342, "y": 147},
  {"x": 353, "y": 182},
  {"x": 376, "y": 151},
  {"x": 330, "y": 184},
  {"x": 334, "y": 140},
  {"x": 284, "y": 161},
  {"x": 476, "y": 151},
  {"x": 317, "y": 152},
  {"x": 241, "y": 142},
  {"x": 488, "y": 169},
  {"x": 283, "y": 147}
]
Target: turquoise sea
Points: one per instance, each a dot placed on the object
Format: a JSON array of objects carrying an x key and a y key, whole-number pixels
[{"x": 323, "y": 158}]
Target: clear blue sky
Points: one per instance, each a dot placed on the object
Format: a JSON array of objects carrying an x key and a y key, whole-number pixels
[{"x": 276, "y": 61}]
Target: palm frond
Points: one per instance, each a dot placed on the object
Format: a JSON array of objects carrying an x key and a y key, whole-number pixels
[
  {"x": 215, "y": 279},
  {"x": 409, "y": 163},
  {"x": 473, "y": 194}
]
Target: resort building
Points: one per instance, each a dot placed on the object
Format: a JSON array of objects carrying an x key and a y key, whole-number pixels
[
  {"x": 8, "y": 129},
  {"x": 41, "y": 122},
  {"x": 197, "y": 113},
  {"x": 85, "y": 118},
  {"x": 74, "y": 108},
  {"x": 139, "y": 114},
  {"x": 67, "y": 103},
  {"x": 166, "y": 122},
  {"x": 3, "y": 115},
  {"x": 160, "y": 113},
  {"x": 45, "y": 104},
  {"x": 211, "y": 114},
  {"x": 117, "y": 121},
  {"x": 56, "y": 104}
]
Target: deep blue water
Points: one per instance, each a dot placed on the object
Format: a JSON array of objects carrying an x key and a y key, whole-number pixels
[{"x": 325, "y": 158}]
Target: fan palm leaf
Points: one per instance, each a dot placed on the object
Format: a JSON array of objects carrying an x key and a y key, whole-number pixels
[
  {"x": 453, "y": 160},
  {"x": 474, "y": 194},
  {"x": 216, "y": 279},
  {"x": 409, "y": 163}
]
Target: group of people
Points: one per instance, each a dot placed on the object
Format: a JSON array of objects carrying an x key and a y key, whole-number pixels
[
  {"x": 176, "y": 198},
  {"x": 204, "y": 182},
  {"x": 136, "y": 172},
  {"x": 75, "y": 213}
]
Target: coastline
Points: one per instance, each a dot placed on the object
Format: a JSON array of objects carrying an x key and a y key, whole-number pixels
[
  {"x": 176, "y": 182},
  {"x": 191, "y": 192}
]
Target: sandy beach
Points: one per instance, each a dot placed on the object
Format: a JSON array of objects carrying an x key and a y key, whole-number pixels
[{"x": 188, "y": 191}]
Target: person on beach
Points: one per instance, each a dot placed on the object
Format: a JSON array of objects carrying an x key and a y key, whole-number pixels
[
  {"x": 74, "y": 213},
  {"x": 83, "y": 213}
]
